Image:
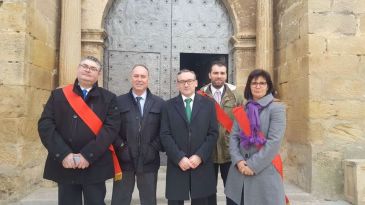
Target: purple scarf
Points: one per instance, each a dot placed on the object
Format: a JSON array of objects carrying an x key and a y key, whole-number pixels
[{"x": 256, "y": 137}]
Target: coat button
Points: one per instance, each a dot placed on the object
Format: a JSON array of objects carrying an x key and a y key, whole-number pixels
[
  {"x": 91, "y": 154},
  {"x": 246, "y": 156},
  {"x": 74, "y": 116},
  {"x": 57, "y": 155}
]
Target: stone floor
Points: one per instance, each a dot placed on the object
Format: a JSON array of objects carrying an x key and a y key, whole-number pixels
[{"x": 48, "y": 196}]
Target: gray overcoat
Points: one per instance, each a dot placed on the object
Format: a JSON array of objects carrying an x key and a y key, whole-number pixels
[{"x": 266, "y": 186}]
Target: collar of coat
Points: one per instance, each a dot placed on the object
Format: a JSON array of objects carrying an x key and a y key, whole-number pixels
[
  {"x": 264, "y": 101},
  {"x": 93, "y": 91}
]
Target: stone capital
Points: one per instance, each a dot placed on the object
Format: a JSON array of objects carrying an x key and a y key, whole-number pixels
[
  {"x": 93, "y": 36},
  {"x": 243, "y": 41}
]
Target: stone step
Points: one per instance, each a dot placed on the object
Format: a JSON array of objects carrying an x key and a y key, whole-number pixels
[{"x": 48, "y": 196}]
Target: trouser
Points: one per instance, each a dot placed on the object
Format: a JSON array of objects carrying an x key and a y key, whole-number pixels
[
  {"x": 200, "y": 201},
  {"x": 224, "y": 168},
  {"x": 146, "y": 184},
  {"x": 71, "y": 194}
]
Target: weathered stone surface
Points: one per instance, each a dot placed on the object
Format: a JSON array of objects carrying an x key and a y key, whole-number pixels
[
  {"x": 348, "y": 6},
  {"x": 9, "y": 130},
  {"x": 12, "y": 73},
  {"x": 354, "y": 176},
  {"x": 327, "y": 172},
  {"x": 317, "y": 44},
  {"x": 362, "y": 24},
  {"x": 349, "y": 45},
  {"x": 319, "y": 6},
  {"x": 12, "y": 17},
  {"x": 13, "y": 44},
  {"x": 40, "y": 54},
  {"x": 12, "y": 102},
  {"x": 332, "y": 24}
]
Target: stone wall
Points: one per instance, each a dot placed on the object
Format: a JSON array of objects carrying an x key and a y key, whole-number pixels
[
  {"x": 29, "y": 41},
  {"x": 320, "y": 60}
]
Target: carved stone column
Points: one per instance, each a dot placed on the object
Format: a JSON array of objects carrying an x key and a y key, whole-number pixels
[
  {"x": 70, "y": 48},
  {"x": 264, "y": 35},
  {"x": 244, "y": 57},
  {"x": 93, "y": 44}
]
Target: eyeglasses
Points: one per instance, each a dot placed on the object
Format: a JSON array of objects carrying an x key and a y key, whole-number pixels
[
  {"x": 183, "y": 82},
  {"x": 91, "y": 68},
  {"x": 260, "y": 84}
]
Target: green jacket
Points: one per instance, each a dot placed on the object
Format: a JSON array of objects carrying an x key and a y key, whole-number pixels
[{"x": 230, "y": 99}]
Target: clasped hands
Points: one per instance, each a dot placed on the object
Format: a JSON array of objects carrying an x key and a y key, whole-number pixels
[
  {"x": 244, "y": 169},
  {"x": 69, "y": 162},
  {"x": 190, "y": 163}
]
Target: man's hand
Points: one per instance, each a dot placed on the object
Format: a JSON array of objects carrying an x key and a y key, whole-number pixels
[
  {"x": 83, "y": 164},
  {"x": 184, "y": 164},
  {"x": 68, "y": 162},
  {"x": 195, "y": 161}
]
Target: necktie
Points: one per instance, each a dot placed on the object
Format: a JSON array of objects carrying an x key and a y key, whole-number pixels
[
  {"x": 84, "y": 93},
  {"x": 139, "y": 105},
  {"x": 188, "y": 108},
  {"x": 217, "y": 96}
]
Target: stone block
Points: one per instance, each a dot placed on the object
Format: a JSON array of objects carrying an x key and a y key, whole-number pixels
[
  {"x": 349, "y": 6},
  {"x": 37, "y": 100},
  {"x": 346, "y": 132},
  {"x": 327, "y": 174},
  {"x": 37, "y": 25},
  {"x": 41, "y": 77},
  {"x": 296, "y": 130},
  {"x": 335, "y": 65},
  {"x": 9, "y": 130},
  {"x": 317, "y": 44},
  {"x": 13, "y": 101},
  {"x": 354, "y": 183},
  {"x": 12, "y": 45},
  {"x": 40, "y": 54},
  {"x": 341, "y": 88},
  {"x": 350, "y": 45},
  {"x": 319, "y": 6},
  {"x": 12, "y": 73},
  {"x": 362, "y": 24},
  {"x": 13, "y": 16},
  {"x": 332, "y": 24}
]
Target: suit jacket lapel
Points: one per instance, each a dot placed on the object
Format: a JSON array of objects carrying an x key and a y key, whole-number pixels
[
  {"x": 180, "y": 107},
  {"x": 146, "y": 109},
  {"x": 196, "y": 106}
]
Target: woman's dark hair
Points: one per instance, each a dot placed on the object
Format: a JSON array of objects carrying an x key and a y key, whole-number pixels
[{"x": 255, "y": 74}]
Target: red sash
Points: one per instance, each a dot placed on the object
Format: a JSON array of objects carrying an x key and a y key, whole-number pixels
[
  {"x": 91, "y": 120},
  {"x": 222, "y": 117},
  {"x": 242, "y": 120}
]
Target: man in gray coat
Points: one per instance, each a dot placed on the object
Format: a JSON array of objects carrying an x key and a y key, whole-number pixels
[{"x": 188, "y": 133}]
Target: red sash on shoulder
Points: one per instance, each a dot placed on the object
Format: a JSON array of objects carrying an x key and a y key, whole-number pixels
[
  {"x": 91, "y": 120},
  {"x": 222, "y": 117},
  {"x": 242, "y": 120}
]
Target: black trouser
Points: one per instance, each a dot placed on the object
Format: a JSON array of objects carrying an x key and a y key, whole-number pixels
[
  {"x": 224, "y": 168},
  {"x": 71, "y": 194},
  {"x": 200, "y": 201},
  {"x": 146, "y": 184}
]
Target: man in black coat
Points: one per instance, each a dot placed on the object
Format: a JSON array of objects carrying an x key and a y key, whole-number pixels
[
  {"x": 79, "y": 160},
  {"x": 139, "y": 142},
  {"x": 188, "y": 134}
]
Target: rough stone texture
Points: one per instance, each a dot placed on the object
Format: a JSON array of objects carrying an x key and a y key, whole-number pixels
[
  {"x": 29, "y": 37},
  {"x": 354, "y": 174},
  {"x": 320, "y": 74}
]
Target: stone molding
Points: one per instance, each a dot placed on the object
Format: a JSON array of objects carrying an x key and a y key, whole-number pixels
[
  {"x": 243, "y": 42},
  {"x": 93, "y": 36}
]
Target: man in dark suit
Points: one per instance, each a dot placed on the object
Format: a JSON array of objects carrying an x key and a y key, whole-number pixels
[
  {"x": 189, "y": 132},
  {"x": 78, "y": 156},
  {"x": 138, "y": 143}
]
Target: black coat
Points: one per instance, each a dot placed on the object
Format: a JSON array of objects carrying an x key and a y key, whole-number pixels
[
  {"x": 180, "y": 138},
  {"x": 62, "y": 132},
  {"x": 140, "y": 137}
]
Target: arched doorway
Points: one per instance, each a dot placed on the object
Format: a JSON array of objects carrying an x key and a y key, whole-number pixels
[{"x": 157, "y": 33}]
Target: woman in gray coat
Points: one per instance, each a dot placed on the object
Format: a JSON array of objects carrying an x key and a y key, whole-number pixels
[{"x": 253, "y": 179}]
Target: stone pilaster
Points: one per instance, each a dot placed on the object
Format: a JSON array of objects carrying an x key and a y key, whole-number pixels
[
  {"x": 70, "y": 48},
  {"x": 264, "y": 35},
  {"x": 244, "y": 46},
  {"x": 92, "y": 42}
]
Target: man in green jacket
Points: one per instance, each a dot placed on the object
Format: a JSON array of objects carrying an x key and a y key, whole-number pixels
[{"x": 226, "y": 96}]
